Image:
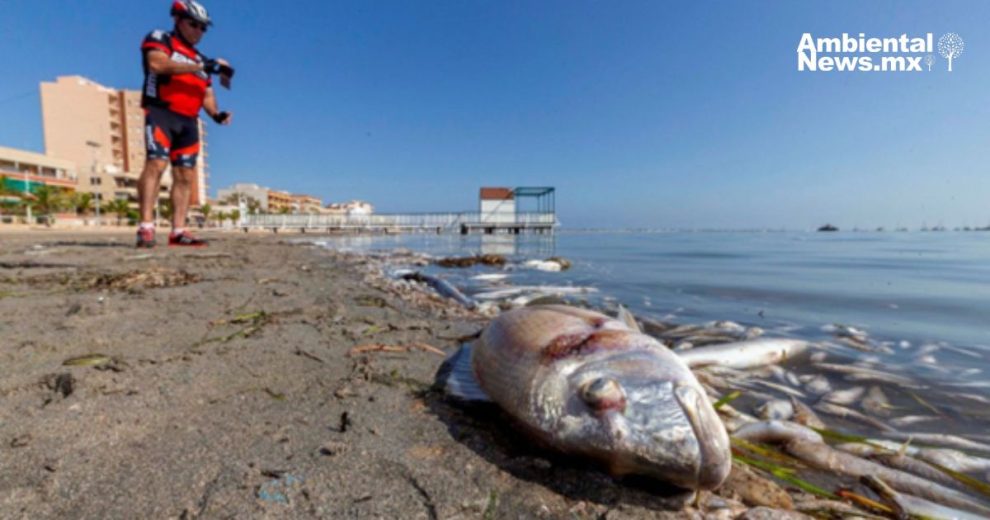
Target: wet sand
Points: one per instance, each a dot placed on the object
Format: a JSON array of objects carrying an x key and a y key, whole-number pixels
[{"x": 247, "y": 380}]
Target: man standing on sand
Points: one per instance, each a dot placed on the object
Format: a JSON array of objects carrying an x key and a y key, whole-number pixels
[{"x": 177, "y": 85}]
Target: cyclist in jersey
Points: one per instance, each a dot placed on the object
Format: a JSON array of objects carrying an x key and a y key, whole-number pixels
[{"x": 177, "y": 85}]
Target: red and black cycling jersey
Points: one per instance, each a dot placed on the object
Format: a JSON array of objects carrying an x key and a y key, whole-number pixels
[{"x": 180, "y": 93}]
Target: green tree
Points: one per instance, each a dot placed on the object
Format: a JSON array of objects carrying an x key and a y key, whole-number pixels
[
  {"x": 234, "y": 199},
  {"x": 165, "y": 209},
  {"x": 206, "y": 209},
  {"x": 284, "y": 210},
  {"x": 82, "y": 202},
  {"x": 120, "y": 207},
  {"x": 235, "y": 216},
  {"x": 11, "y": 200},
  {"x": 48, "y": 200}
]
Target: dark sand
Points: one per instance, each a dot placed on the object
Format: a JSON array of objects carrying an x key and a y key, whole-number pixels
[{"x": 231, "y": 392}]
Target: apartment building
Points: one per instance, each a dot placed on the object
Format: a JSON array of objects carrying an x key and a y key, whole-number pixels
[
  {"x": 246, "y": 191},
  {"x": 302, "y": 203},
  {"x": 279, "y": 201},
  {"x": 101, "y": 129},
  {"x": 24, "y": 171},
  {"x": 351, "y": 208}
]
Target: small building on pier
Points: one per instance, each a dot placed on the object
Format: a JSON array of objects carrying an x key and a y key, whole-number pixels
[{"x": 512, "y": 210}]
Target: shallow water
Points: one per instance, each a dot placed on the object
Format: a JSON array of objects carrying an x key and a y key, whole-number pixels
[{"x": 922, "y": 299}]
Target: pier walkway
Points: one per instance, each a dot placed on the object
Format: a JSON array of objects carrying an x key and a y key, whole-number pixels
[{"x": 464, "y": 223}]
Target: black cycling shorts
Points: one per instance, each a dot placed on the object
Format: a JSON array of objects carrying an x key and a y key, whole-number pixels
[{"x": 171, "y": 136}]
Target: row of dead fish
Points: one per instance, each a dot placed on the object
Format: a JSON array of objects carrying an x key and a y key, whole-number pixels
[
  {"x": 597, "y": 386},
  {"x": 554, "y": 263},
  {"x": 589, "y": 384}
]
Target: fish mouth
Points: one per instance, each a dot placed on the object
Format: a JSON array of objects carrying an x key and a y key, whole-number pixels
[{"x": 714, "y": 452}]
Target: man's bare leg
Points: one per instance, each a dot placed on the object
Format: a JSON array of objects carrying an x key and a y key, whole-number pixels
[
  {"x": 182, "y": 182},
  {"x": 148, "y": 185}
]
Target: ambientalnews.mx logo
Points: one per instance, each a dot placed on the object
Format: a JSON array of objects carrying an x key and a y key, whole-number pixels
[{"x": 859, "y": 53}]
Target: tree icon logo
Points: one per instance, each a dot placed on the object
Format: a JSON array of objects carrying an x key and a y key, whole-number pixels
[
  {"x": 950, "y": 46},
  {"x": 929, "y": 60}
]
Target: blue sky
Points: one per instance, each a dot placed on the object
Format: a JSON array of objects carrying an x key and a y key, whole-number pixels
[{"x": 640, "y": 113}]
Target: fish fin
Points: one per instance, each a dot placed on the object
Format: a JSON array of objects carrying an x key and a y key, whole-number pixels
[
  {"x": 627, "y": 317},
  {"x": 460, "y": 382}
]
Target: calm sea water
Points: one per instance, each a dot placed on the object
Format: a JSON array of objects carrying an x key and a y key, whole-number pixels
[
  {"x": 910, "y": 286},
  {"x": 908, "y": 290}
]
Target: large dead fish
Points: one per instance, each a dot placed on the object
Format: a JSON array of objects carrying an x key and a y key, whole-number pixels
[{"x": 588, "y": 384}]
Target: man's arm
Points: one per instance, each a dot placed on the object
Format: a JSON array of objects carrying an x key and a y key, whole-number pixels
[
  {"x": 160, "y": 63},
  {"x": 212, "y": 110}
]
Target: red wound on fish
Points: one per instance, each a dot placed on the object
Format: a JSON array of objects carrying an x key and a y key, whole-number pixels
[{"x": 568, "y": 345}]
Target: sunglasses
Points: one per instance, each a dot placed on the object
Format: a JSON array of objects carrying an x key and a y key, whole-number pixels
[{"x": 196, "y": 25}]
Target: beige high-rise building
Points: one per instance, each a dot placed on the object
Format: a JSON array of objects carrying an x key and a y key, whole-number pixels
[{"x": 102, "y": 130}]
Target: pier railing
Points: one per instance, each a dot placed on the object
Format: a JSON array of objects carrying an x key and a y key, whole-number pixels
[{"x": 401, "y": 221}]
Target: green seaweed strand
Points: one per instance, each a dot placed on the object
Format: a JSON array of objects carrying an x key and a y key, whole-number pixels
[{"x": 786, "y": 475}]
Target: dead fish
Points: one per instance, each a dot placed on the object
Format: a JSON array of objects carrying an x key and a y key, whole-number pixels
[
  {"x": 490, "y": 277},
  {"x": 745, "y": 354},
  {"x": 846, "y": 331},
  {"x": 544, "y": 265},
  {"x": 776, "y": 410},
  {"x": 845, "y": 397},
  {"x": 442, "y": 287},
  {"x": 818, "y": 385},
  {"x": 784, "y": 376},
  {"x": 808, "y": 446},
  {"x": 914, "y": 507},
  {"x": 588, "y": 384},
  {"x": 805, "y": 416},
  {"x": 727, "y": 326},
  {"x": 856, "y": 373},
  {"x": 941, "y": 439},
  {"x": 876, "y": 402},
  {"x": 699, "y": 340},
  {"x": 681, "y": 331},
  {"x": 901, "y": 461},
  {"x": 848, "y": 413},
  {"x": 908, "y": 420},
  {"x": 780, "y": 388}
]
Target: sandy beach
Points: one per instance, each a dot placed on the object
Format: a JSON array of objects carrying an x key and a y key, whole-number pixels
[{"x": 260, "y": 378}]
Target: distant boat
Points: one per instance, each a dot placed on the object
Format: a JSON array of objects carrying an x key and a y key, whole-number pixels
[{"x": 828, "y": 227}]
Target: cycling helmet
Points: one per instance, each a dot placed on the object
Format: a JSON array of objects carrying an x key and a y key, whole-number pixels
[{"x": 191, "y": 9}]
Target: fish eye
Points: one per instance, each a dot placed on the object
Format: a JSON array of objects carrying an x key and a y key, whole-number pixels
[{"x": 603, "y": 394}]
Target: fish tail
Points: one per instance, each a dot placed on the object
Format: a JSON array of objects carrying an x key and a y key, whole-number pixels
[{"x": 457, "y": 377}]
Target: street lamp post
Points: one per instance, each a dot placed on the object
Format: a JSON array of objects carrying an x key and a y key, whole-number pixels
[
  {"x": 27, "y": 193},
  {"x": 93, "y": 145}
]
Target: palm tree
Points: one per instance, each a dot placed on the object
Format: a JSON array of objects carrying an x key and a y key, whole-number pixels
[
  {"x": 118, "y": 206},
  {"x": 48, "y": 200},
  {"x": 235, "y": 216},
  {"x": 253, "y": 206},
  {"x": 165, "y": 209},
  {"x": 221, "y": 216},
  {"x": 82, "y": 202},
  {"x": 206, "y": 209},
  {"x": 10, "y": 199}
]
